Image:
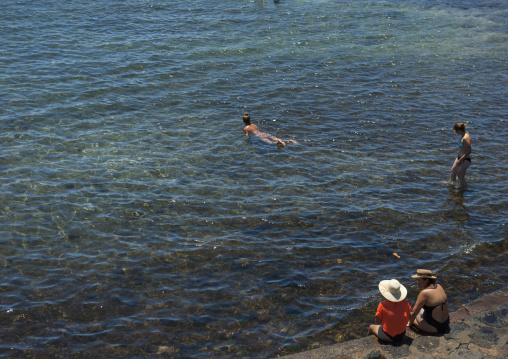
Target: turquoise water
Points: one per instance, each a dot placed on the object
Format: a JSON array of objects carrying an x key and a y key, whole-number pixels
[{"x": 137, "y": 220}]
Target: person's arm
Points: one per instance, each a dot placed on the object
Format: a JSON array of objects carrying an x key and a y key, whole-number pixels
[
  {"x": 420, "y": 302},
  {"x": 379, "y": 313},
  {"x": 247, "y": 130}
]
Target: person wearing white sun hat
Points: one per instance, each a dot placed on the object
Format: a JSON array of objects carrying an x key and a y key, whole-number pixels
[{"x": 392, "y": 314}]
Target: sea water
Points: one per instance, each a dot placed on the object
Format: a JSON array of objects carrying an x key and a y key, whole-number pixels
[{"x": 137, "y": 219}]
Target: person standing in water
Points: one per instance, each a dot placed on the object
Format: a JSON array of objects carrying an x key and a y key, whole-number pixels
[
  {"x": 251, "y": 129},
  {"x": 463, "y": 161}
]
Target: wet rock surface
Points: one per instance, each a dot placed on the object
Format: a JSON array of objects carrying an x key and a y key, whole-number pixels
[{"x": 479, "y": 330}]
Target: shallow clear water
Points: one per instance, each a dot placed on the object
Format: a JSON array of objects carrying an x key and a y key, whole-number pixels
[{"x": 137, "y": 220}]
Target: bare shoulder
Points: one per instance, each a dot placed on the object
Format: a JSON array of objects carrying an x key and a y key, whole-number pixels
[
  {"x": 425, "y": 294},
  {"x": 441, "y": 289},
  {"x": 251, "y": 128}
]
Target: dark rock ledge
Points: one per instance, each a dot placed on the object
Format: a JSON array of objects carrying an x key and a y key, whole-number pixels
[{"x": 479, "y": 330}]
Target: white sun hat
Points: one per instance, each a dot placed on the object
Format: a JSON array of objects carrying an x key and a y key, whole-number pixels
[{"x": 392, "y": 290}]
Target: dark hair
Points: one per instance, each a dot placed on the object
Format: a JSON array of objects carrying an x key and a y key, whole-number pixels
[
  {"x": 460, "y": 126},
  {"x": 430, "y": 281},
  {"x": 246, "y": 118}
]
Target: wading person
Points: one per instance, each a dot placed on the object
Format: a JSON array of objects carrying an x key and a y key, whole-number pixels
[{"x": 463, "y": 161}]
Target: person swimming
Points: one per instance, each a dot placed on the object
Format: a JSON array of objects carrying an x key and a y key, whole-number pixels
[
  {"x": 251, "y": 129},
  {"x": 463, "y": 161}
]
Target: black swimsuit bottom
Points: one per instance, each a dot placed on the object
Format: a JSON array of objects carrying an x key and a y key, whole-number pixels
[
  {"x": 465, "y": 159},
  {"x": 396, "y": 338},
  {"x": 427, "y": 316}
]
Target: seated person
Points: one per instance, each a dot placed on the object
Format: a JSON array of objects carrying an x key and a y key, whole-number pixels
[
  {"x": 393, "y": 313},
  {"x": 430, "y": 312},
  {"x": 265, "y": 137}
]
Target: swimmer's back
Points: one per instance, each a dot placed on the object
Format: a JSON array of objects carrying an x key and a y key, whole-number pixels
[{"x": 251, "y": 129}]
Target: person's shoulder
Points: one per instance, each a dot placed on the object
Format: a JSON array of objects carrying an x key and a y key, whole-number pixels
[
  {"x": 386, "y": 304},
  {"x": 425, "y": 293},
  {"x": 440, "y": 287},
  {"x": 403, "y": 302}
]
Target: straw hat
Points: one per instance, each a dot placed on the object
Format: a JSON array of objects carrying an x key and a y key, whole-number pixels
[
  {"x": 424, "y": 273},
  {"x": 392, "y": 290}
]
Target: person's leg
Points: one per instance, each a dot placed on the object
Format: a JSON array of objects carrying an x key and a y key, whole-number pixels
[
  {"x": 454, "y": 170},
  {"x": 273, "y": 139},
  {"x": 371, "y": 329},
  {"x": 266, "y": 140},
  {"x": 422, "y": 325},
  {"x": 461, "y": 173},
  {"x": 377, "y": 330}
]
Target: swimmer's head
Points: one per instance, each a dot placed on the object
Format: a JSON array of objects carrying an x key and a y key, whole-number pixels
[
  {"x": 246, "y": 118},
  {"x": 459, "y": 126}
]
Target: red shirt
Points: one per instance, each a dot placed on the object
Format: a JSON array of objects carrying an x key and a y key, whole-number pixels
[{"x": 394, "y": 316}]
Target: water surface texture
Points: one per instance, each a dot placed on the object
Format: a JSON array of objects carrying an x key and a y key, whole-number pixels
[{"x": 138, "y": 221}]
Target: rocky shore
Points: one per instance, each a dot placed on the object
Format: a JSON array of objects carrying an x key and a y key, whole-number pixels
[{"x": 479, "y": 330}]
